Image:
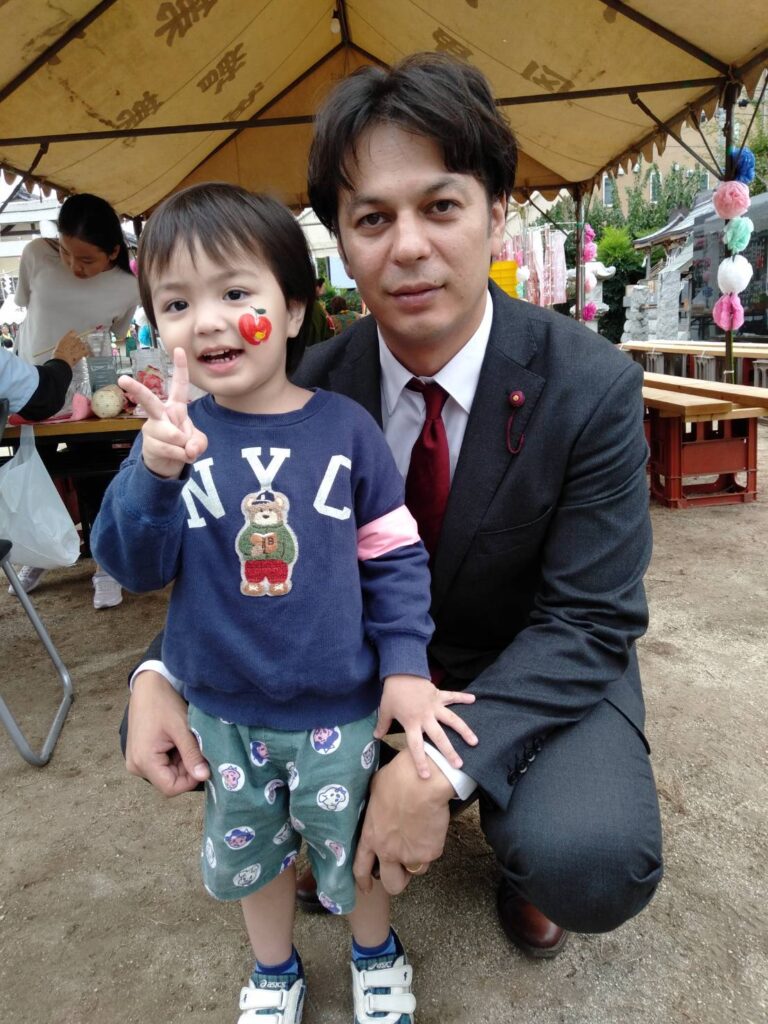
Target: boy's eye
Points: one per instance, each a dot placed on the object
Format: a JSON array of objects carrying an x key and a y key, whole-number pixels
[
  {"x": 234, "y": 294},
  {"x": 177, "y": 306}
]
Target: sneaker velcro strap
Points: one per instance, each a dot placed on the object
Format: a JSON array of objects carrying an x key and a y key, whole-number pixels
[
  {"x": 263, "y": 999},
  {"x": 390, "y": 1002},
  {"x": 388, "y": 977}
]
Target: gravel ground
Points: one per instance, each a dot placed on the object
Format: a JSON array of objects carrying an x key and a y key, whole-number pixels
[{"x": 103, "y": 918}]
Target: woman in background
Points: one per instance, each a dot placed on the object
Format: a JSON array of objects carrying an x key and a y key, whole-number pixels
[{"x": 79, "y": 282}]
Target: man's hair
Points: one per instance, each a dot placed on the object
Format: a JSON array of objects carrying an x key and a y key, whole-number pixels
[
  {"x": 429, "y": 94},
  {"x": 222, "y": 220},
  {"x": 91, "y": 219}
]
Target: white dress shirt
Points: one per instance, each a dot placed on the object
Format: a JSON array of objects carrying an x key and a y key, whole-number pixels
[{"x": 402, "y": 414}]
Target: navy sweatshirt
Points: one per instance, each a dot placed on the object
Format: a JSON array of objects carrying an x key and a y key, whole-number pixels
[{"x": 299, "y": 578}]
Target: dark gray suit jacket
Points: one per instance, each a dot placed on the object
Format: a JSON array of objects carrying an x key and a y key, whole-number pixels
[{"x": 537, "y": 590}]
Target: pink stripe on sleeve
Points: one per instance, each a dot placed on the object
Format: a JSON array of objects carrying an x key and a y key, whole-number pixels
[{"x": 394, "y": 530}]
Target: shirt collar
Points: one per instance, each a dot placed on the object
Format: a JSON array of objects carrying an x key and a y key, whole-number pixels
[{"x": 459, "y": 376}]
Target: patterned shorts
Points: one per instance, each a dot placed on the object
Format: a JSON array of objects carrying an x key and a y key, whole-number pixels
[{"x": 269, "y": 790}]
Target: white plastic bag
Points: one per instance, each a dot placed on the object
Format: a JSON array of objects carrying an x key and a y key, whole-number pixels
[{"x": 32, "y": 515}]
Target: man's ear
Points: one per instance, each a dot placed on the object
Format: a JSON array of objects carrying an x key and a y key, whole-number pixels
[
  {"x": 296, "y": 311},
  {"x": 497, "y": 223}
]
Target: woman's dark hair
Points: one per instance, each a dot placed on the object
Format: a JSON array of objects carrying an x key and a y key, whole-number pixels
[
  {"x": 337, "y": 304},
  {"x": 429, "y": 94},
  {"x": 220, "y": 218},
  {"x": 92, "y": 220}
]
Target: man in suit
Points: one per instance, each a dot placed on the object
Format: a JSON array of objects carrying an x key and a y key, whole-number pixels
[{"x": 538, "y": 556}]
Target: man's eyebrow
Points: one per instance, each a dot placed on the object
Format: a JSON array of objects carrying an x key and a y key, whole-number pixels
[{"x": 358, "y": 199}]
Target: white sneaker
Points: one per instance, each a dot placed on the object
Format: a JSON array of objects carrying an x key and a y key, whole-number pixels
[
  {"x": 277, "y": 999},
  {"x": 381, "y": 988},
  {"x": 107, "y": 591},
  {"x": 29, "y": 577}
]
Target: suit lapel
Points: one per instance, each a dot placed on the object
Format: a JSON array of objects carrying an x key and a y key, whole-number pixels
[
  {"x": 485, "y": 457},
  {"x": 359, "y": 375}
]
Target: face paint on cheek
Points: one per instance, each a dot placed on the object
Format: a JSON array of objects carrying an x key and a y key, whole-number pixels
[{"x": 254, "y": 327}]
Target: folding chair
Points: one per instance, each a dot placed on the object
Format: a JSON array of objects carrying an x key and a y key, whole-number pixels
[{"x": 38, "y": 760}]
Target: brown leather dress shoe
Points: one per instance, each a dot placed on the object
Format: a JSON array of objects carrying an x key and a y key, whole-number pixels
[
  {"x": 306, "y": 893},
  {"x": 526, "y": 926}
]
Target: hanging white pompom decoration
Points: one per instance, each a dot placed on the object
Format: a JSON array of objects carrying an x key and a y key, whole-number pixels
[
  {"x": 733, "y": 275},
  {"x": 523, "y": 274}
]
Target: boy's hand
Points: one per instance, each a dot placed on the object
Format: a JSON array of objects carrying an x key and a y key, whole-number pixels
[
  {"x": 420, "y": 707},
  {"x": 71, "y": 348},
  {"x": 171, "y": 440}
]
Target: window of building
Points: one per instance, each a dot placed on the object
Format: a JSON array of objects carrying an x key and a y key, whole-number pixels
[
  {"x": 654, "y": 186},
  {"x": 609, "y": 190}
]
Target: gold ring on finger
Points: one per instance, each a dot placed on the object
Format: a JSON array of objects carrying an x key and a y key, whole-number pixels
[{"x": 414, "y": 869}]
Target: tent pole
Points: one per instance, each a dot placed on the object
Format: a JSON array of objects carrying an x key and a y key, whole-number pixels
[
  {"x": 578, "y": 197},
  {"x": 730, "y": 97}
]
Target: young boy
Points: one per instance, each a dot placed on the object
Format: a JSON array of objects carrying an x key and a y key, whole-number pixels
[{"x": 300, "y": 585}]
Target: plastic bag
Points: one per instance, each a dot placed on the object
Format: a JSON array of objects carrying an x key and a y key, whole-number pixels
[{"x": 32, "y": 515}]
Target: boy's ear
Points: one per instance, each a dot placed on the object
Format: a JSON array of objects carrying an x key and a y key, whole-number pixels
[{"x": 296, "y": 312}]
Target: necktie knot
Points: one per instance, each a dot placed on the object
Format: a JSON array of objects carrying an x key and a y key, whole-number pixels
[{"x": 434, "y": 396}]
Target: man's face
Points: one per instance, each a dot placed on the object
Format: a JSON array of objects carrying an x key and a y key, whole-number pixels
[{"x": 418, "y": 240}]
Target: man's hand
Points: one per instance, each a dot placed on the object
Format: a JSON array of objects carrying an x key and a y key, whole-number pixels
[
  {"x": 170, "y": 438},
  {"x": 406, "y": 823},
  {"x": 420, "y": 707},
  {"x": 160, "y": 747},
  {"x": 71, "y": 348}
]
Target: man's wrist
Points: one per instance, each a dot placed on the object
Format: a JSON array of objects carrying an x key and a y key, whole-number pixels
[
  {"x": 463, "y": 785},
  {"x": 153, "y": 665}
]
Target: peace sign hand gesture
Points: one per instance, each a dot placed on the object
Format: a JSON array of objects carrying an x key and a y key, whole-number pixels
[{"x": 170, "y": 438}]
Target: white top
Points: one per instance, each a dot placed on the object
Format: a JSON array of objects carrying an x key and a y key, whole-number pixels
[
  {"x": 58, "y": 302},
  {"x": 18, "y": 380}
]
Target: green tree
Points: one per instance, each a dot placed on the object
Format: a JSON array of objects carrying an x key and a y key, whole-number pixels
[
  {"x": 615, "y": 249},
  {"x": 758, "y": 143}
]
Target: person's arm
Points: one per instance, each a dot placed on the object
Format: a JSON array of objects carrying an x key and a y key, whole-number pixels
[
  {"x": 589, "y": 609},
  {"x": 18, "y": 380},
  {"x": 590, "y": 606},
  {"x": 54, "y": 378}
]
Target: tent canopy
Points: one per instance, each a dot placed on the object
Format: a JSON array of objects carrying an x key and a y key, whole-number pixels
[{"x": 133, "y": 99}]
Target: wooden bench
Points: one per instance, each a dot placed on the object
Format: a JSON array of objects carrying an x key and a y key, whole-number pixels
[
  {"x": 702, "y": 429},
  {"x": 744, "y": 355}
]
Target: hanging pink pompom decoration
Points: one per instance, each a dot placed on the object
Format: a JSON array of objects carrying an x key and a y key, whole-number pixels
[
  {"x": 731, "y": 199},
  {"x": 589, "y": 233},
  {"x": 589, "y": 281},
  {"x": 133, "y": 264},
  {"x": 728, "y": 313},
  {"x": 518, "y": 257},
  {"x": 590, "y": 252},
  {"x": 589, "y": 312},
  {"x": 734, "y": 274}
]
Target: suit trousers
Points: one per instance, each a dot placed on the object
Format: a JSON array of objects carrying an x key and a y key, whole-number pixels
[{"x": 581, "y": 836}]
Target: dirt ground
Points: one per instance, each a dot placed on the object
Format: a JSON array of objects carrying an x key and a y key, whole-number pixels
[{"x": 103, "y": 917}]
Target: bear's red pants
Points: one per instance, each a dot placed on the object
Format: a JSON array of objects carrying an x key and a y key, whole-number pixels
[{"x": 275, "y": 570}]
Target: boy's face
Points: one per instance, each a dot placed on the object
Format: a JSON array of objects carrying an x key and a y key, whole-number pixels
[
  {"x": 198, "y": 304},
  {"x": 418, "y": 240}
]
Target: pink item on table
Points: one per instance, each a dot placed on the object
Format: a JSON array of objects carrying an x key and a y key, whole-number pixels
[
  {"x": 731, "y": 199},
  {"x": 728, "y": 313}
]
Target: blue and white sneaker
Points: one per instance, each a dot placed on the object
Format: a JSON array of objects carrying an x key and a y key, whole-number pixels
[
  {"x": 381, "y": 988},
  {"x": 273, "y": 998}
]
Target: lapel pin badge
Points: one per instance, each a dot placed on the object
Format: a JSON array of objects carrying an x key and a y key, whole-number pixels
[{"x": 517, "y": 400}]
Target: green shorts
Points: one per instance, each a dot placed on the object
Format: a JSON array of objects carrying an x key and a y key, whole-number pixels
[{"x": 269, "y": 790}]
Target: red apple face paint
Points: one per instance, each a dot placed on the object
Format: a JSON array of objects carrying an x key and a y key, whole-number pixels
[{"x": 254, "y": 327}]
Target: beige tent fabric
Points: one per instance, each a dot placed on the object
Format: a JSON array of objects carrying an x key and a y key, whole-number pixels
[{"x": 83, "y": 67}]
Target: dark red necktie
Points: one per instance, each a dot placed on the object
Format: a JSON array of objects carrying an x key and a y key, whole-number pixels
[{"x": 429, "y": 474}]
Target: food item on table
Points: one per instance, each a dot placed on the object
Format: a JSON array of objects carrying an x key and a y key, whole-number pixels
[{"x": 108, "y": 401}]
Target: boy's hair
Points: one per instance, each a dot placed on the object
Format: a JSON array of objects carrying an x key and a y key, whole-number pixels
[
  {"x": 429, "y": 94},
  {"x": 91, "y": 219},
  {"x": 223, "y": 219}
]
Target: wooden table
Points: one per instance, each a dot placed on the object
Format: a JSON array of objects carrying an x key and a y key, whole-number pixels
[
  {"x": 698, "y": 429},
  {"x": 743, "y": 354},
  {"x": 119, "y": 428}
]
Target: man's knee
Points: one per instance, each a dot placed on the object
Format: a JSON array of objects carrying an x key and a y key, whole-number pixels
[{"x": 591, "y": 882}]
